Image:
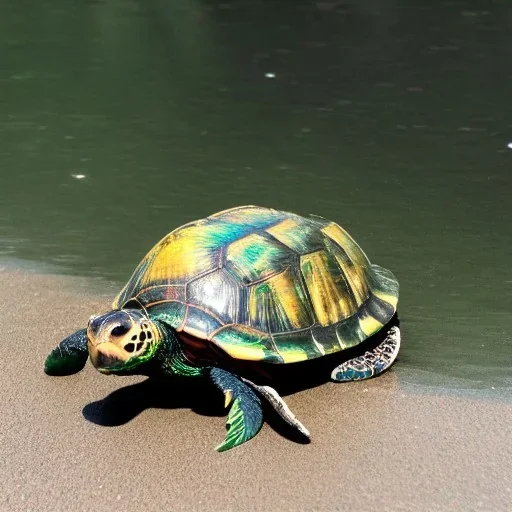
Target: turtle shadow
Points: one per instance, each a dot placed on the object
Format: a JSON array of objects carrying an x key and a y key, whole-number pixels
[{"x": 126, "y": 403}]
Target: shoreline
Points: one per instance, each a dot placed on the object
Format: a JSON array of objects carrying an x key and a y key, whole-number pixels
[
  {"x": 90, "y": 441},
  {"x": 413, "y": 380}
]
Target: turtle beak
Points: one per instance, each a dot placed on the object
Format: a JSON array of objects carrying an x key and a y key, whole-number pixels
[
  {"x": 105, "y": 334},
  {"x": 106, "y": 356}
]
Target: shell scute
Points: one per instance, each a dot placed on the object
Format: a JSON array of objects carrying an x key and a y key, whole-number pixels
[
  {"x": 188, "y": 253},
  {"x": 163, "y": 292},
  {"x": 344, "y": 240},
  {"x": 348, "y": 333},
  {"x": 173, "y": 313},
  {"x": 299, "y": 234},
  {"x": 201, "y": 323},
  {"x": 255, "y": 257},
  {"x": 279, "y": 304},
  {"x": 218, "y": 292},
  {"x": 254, "y": 217},
  {"x": 355, "y": 275},
  {"x": 243, "y": 342},
  {"x": 331, "y": 297},
  {"x": 297, "y": 346}
]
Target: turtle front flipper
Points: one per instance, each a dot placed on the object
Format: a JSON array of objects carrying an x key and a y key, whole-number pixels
[
  {"x": 69, "y": 356},
  {"x": 245, "y": 416},
  {"x": 372, "y": 362}
]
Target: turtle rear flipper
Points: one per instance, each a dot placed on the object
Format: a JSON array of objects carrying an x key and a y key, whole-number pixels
[
  {"x": 280, "y": 407},
  {"x": 372, "y": 362},
  {"x": 69, "y": 356}
]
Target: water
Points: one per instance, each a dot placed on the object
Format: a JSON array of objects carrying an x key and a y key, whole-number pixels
[{"x": 121, "y": 120}]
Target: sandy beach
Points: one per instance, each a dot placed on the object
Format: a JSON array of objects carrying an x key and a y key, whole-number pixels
[{"x": 91, "y": 442}]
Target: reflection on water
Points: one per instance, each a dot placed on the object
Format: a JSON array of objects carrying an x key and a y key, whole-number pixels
[{"x": 121, "y": 120}]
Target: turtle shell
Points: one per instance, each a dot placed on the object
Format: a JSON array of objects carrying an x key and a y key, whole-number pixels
[{"x": 264, "y": 285}]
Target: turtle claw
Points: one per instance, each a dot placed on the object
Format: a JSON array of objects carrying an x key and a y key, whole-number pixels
[{"x": 228, "y": 398}]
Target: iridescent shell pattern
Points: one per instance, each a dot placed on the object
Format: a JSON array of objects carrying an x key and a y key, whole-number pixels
[{"x": 265, "y": 285}]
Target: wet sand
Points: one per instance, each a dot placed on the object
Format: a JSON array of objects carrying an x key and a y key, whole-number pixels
[{"x": 91, "y": 442}]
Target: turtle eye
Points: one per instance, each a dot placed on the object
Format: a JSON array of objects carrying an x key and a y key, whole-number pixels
[{"x": 119, "y": 330}]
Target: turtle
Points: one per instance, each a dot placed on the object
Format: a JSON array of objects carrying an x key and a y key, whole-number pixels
[{"x": 245, "y": 287}]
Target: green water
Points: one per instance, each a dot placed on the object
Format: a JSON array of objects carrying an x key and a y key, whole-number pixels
[{"x": 390, "y": 117}]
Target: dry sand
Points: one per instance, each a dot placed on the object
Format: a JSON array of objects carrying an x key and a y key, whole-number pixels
[{"x": 91, "y": 442}]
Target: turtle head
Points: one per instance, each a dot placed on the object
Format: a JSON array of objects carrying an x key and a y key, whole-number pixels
[{"x": 121, "y": 340}]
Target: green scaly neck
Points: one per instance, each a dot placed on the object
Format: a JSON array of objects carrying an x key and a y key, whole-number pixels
[{"x": 169, "y": 357}]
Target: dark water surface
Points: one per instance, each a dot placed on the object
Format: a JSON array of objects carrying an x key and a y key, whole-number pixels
[{"x": 391, "y": 117}]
